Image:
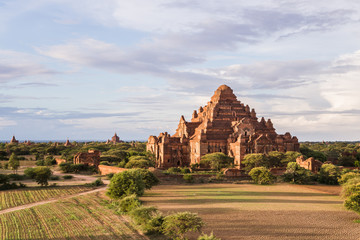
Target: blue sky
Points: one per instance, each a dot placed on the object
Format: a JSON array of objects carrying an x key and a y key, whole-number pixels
[{"x": 85, "y": 69}]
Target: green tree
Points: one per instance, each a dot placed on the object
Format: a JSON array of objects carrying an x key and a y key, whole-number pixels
[
  {"x": 126, "y": 183},
  {"x": 42, "y": 175},
  {"x": 178, "y": 224},
  {"x": 290, "y": 156},
  {"x": 14, "y": 162},
  {"x": 296, "y": 174},
  {"x": 254, "y": 160},
  {"x": 262, "y": 175},
  {"x": 274, "y": 159},
  {"x": 208, "y": 237},
  {"x": 329, "y": 174},
  {"x": 217, "y": 160}
]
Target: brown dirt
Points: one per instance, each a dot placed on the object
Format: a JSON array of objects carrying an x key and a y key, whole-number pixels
[{"x": 247, "y": 211}]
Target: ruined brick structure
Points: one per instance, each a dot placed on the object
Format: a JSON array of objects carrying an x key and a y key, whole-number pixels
[
  {"x": 309, "y": 164},
  {"x": 91, "y": 158},
  {"x": 223, "y": 125}
]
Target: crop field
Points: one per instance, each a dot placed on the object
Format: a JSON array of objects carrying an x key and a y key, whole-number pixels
[
  {"x": 82, "y": 217},
  {"x": 248, "y": 211},
  {"x": 13, "y": 198}
]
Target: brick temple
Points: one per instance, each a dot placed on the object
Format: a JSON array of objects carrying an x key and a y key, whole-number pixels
[{"x": 224, "y": 125}]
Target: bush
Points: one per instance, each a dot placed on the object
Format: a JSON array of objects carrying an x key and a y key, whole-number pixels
[
  {"x": 148, "y": 177},
  {"x": 16, "y": 177},
  {"x": 296, "y": 174},
  {"x": 4, "y": 179},
  {"x": 6, "y": 166},
  {"x": 329, "y": 174},
  {"x": 66, "y": 177},
  {"x": 174, "y": 170},
  {"x": 142, "y": 215},
  {"x": 262, "y": 175},
  {"x": 109, "y": 175},
  {"x": 351, "y": 186},
  {"x": 347, "y": 176},
  {"x": 128, "y": 203},
  {"x": 188, "y": 178},
  {"x": 154, "y": 225},
  {"x": 40, "y": 162},
  {"x": 208, "y": 237},
  {"x": 178, "y": 224},
  {"x": 139, "y": 164},
  {"x": 54, "y": 178},
  {"x": 353, "y": 202},
  {"x": 126, "y": 183},
  {"x": 185, "y": 170},
  {"x": 98, "y": 182}
]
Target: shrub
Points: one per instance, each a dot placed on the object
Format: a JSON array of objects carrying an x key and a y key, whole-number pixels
[
  {"x": 126, "y": 183},
  {"x": 128, "y": 204},
  {"x": 14, "y": 162},
  {"x": 174, "y": 170},
  {"x": 185, "y": 170},
  {"x": 188, "y": 178},
  {"x": 353, "y": 202},
  {"x": 68, "y": 177},
  {"x": 262, "y": 175},
  {"x": 16, "y": 177},
  {"x": 54, "y": 178},
  {"x": 40, "y": 162},
  {"x": 216, "y": 160},
  {"x": 347, "y": 176},
  {"x": 139, "y": 164},
  {"x": 296, "y": 174},
  {"x": 6, "y": 166},
  {"x": 351, "y": 186},
  {"x": 142, "y": 215},
  {"x": 178, "y": 224},
  {"x": 1, "y": 166},
  {"x": 97, "y": 182},
  {"x": 154, "y": 225},
  {"x": 329, "y": 174},
  {"x": 148, "y": 177},
  {"x": 4, "y": 179},
  {"x": 208, "y": 237}
]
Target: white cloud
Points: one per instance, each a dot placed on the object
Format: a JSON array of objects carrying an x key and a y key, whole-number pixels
[{"x": 4, "y": 122}]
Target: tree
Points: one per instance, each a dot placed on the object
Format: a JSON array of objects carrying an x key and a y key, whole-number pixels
[
  {"x": 126, "y": 183},
  {"x": 42, "y": 175},
  {"x": 14, "y": 162},
  {"x": 216, "y": 160},
  {"x": 254, "y": 160},
  {"x": 274, "y": 159},
  {"x": 178, "y": 224},
  {"x": 329, "y": 174},
  {"x": 262, "y": 175},
  {"x": 290, "y": 156},
  {"x": 296, "y": 174}
]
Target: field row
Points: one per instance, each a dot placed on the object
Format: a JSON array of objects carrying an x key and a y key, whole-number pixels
[
  {"x": 15, "y": 198},
  {"x": 83, "y": 217}
]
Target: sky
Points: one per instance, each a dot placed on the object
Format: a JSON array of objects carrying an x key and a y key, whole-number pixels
[{"x": 84, "y": 69}]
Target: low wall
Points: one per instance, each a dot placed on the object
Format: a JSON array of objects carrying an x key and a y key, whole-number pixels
[{"x": 103, "y": 169}]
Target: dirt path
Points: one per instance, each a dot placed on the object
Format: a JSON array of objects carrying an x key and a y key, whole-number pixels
[{"x": 50, "y": 200}]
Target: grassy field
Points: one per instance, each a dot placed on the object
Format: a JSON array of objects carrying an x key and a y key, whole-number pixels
[
  {"x": 13, "y": 198},
  {"x": 83, "y": 217},
  {"x": 247, "y": 211}
]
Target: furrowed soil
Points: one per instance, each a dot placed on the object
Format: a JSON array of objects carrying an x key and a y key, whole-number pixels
[
  {"x": 82, "y": 217},
  {"x": 248, "y": 211}
]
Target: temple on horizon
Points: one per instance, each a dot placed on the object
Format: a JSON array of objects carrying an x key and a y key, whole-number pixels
[{"x": 223, "y": 125}]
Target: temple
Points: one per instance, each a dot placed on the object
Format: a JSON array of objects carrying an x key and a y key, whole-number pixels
[
  {"x": 223, "y": 125},
  {"x": 115, "y": 139}
]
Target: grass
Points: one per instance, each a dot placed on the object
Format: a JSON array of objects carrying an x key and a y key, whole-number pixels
[
  {"x": 13, "y": 198},
  {"x": 83, "y": 217},
  {"x": 248, "y": 211}
]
